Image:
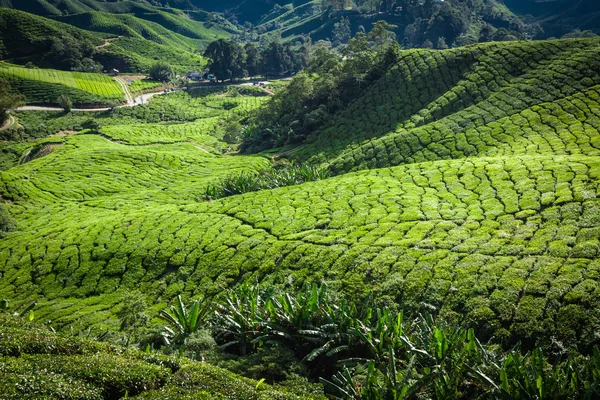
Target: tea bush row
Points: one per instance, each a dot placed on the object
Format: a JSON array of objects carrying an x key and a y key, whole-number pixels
[
  {"x": 566, "y": 126},
  {"x": 474, "y": 85},
  {"x": 511, "y": 243},
  {"x": 45, "y": 86},
  {"x": 52, "y": 366}
]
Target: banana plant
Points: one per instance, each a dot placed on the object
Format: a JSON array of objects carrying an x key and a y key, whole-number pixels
[
  {"x": 183, "y": 321},
  {"x": 240, "y": 315}
]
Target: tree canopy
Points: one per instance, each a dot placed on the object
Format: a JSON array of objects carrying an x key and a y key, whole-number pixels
[
  {"x": 162, "y": 71},
  {"x": 8, "y": 100}
]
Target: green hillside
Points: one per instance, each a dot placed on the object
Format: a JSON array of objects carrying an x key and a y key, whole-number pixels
[
  {"x": 129, "y": 39},
  {"x": 475, "y": 194},
  {"x": 43, "y": 86},
  {"x": 492, "y": 99}
]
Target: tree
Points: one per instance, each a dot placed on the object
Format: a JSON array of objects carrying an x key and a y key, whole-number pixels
[
  {"x": 133, "y": 315},
  {"x": 91, "y": 124},
  {"x": 341, "y": 32},
  {"x": 65, "y": 103},
  {"x": 275, "y": 58},
  {"x": 8, "y": 100},
  {"x": 441, "y": 44},
  {"x": 253, "y": 61},
  {"x": 71, "y": 54},
  {"x": 162, "y": 71},
  {"x": 382, "y": 33},
  {"x": 227, "y": 59}
]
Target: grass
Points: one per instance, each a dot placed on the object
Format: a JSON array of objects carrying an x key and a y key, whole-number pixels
[
  {"x": 475, "y": 201},
  {"x": 45, "y": 85}
]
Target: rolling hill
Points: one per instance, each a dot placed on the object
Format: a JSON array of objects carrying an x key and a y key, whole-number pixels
[
  {"x": 467, "y": 183},
  {"x": 128, "y": 36}
]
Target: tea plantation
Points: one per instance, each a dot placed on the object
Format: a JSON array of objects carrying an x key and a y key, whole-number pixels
[
  {"x": 35, "y": 363},
  {"x": 467, "y": 184},
  {"x": 45, "y": 86}
]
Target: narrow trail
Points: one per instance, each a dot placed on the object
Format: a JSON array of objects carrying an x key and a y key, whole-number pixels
[
  {"x": 10, "y": 122},
  {"x": 125, "y": 88}
]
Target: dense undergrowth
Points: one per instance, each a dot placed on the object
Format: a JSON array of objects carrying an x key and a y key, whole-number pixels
[{"x": 286, "y": 175}]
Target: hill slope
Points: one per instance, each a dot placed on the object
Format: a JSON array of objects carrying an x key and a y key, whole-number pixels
[
  {"x": 44, "y": 86},
  {"x": 488, "y": 206},
  {"x": 128, "y": 41}
]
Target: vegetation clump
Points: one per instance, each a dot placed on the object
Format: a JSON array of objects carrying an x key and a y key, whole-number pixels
[
  {"x": 247, "y": 182},
  {"x": 161, "y": 72}
]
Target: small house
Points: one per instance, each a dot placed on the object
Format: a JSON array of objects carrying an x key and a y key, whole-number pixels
[
  {"x": 196, "y": 76},
  {"x": 114, "y": 72}
]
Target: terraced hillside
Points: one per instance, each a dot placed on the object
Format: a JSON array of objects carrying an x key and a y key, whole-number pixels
[
  {"x": 468, "y": 183},
  {"x": 491, "y": 99},
  {"x": 43, "y": 86}
]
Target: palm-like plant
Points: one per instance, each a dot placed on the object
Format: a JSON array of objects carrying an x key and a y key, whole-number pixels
[
  {"x": 240, "y": 315},
  {"x": 184, "y": 320}
]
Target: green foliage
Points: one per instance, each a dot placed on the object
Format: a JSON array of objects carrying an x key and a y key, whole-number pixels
[
  {"x": 65, "y": 103},
  {"x": 8, "y": 100},
  {"x": 39, "y": 364},
  {"x": 489, "y": 213},
  {"x": 330, "y": 82},
  {"x": 45, "y": 86},
  {"x": 274, "y": 178},
  {"x": 162, "y": 72},
  {"x": 144, "y": 85},
  {"x": 133, "y": 315},
  {"x": 185, "y": 321},
  {"x": 7, "y": 222}
]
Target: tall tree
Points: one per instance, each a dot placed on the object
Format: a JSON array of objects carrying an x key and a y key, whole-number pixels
[
  {"x": 341, "y": 32},
  {"x": 227, "y": 59},
  {"x": 253, "y": 61},
  {"x": 162, "y": 71},
  {"x": 8, "y": 100},
  {"x": 382, "y": 33},
  {"x": 276, "y": 59}
]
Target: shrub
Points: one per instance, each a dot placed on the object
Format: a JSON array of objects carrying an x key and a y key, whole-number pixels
[
  {"x": 65, "y": 103},
  {"x": 162, "y": 72},
  {"x": 7, "y": 222},
  {"x": 271, "y": 179}
]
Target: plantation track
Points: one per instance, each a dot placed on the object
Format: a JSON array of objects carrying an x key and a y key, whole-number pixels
[
  {"x": 128, "y": 97},
  {"x": 132, "y": 102},
  {"x": 9, "y": 123}
]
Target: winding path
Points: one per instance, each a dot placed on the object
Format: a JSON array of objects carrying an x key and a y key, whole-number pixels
[
  {"x": 9, "y": 122},
  {"x": 131, "y": 101}
]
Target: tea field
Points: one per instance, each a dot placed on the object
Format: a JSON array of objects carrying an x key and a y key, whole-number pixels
[
  {"x": 36, "y": 363},
  {"x": 466, "y": 183},
  {"x": 44, "y": 86}
]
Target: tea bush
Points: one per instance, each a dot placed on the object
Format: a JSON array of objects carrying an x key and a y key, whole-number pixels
[
  {"x": 50, "y": 366},
  {"x": 45, "y": 86}
]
